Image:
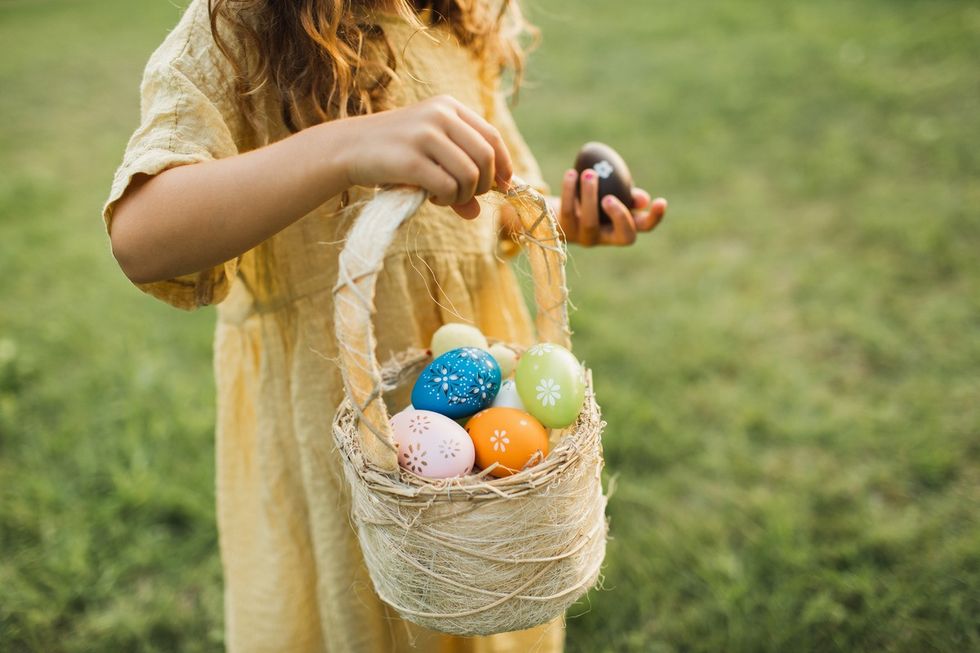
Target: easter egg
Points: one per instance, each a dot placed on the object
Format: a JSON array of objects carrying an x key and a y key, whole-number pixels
[
  {"x": 457, "y": 384},
  {"x": 507, "y": 436},
  {"x": 431, "y": 445},
  {"x": 614, "y": 177},
  {"x": 507, "y": 396},
  {"x": 551, "y": 383},
  {"x": 506, "y": 358},
  {"x": 453, "y": 336}
]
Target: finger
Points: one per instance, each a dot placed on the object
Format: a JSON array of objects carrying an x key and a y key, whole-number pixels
[
  {"x": 440, "y": 185},
  {"x": 478, "y": 148},
  {"x": 641, "y": 198},
  {"x": 469, "y": 210},
  {"x": 509, "y": 221},
  {"x": 623, "y": 230},
  {"x": 648, "y": 220},
  {"x": 588, "y": 210},
  {"x": 457, "y": 163},
  {"x": 503, "y": 166},
  {"x": 566, "y": 213}
]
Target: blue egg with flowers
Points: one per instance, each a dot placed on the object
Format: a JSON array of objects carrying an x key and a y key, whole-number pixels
[{"x": 459, "y": 383}]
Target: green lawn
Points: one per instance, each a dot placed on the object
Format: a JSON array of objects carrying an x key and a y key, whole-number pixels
[{"x": 790, "y": 367}]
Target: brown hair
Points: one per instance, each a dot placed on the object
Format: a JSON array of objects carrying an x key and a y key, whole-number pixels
[{"x": 325, "y": 59}]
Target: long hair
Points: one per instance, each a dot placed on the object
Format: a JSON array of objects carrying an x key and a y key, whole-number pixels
[{"x": 324, "y": 59}]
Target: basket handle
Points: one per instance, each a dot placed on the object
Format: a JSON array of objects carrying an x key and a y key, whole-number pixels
[{"x": 360, "y": 263}]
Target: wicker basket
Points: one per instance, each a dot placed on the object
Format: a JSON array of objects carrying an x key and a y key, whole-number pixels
[{"x": 473, "y": 555}]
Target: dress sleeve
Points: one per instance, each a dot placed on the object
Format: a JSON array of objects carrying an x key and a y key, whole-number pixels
[{"x": 181, "y": 123}]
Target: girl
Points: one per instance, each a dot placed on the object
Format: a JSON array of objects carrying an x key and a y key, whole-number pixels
[{"x": 260, "y": 122}]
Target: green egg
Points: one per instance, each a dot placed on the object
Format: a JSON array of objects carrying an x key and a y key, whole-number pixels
[{"x": 551, "y": 383}]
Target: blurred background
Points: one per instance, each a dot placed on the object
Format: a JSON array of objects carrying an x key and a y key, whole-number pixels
[{"x": 790, "y": 365}]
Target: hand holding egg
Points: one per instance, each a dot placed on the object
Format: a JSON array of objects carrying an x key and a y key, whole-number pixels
[{"x": 599, "y": 205}]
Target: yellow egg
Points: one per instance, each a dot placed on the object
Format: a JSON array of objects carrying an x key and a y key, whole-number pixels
[
  {"x": 507, "y": 436},
  {"x": 454, "y": 335},
  {"x": 506, "y": 358}
]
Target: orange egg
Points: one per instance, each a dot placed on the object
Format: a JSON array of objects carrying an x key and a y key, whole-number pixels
[{"x": 507, "y": 436}]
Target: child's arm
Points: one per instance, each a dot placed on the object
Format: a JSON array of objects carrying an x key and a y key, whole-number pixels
[{"x": 231, "y": 205}]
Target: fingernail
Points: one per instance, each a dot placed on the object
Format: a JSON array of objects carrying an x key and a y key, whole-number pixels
[
  {"x": 571, "y": 174},
  {"x": 607, "y": 200},
  {"x": 588, "y": 174}
]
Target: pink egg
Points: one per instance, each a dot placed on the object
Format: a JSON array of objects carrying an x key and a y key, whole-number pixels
[{"x": 432, "y": 445}]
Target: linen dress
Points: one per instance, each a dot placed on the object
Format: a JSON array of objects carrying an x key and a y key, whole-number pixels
[{"x": 294, "y": 575}]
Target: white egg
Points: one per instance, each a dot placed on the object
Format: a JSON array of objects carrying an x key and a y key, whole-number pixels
[
  {"x": 506, "y": 358},
  {"x": 455, "y": 335},
  {"x": 508, "y": 397}
]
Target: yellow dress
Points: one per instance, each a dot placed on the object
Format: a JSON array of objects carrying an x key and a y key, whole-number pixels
[{"x": 294, "y": 576}]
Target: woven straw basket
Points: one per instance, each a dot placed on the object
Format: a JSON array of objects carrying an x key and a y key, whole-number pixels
[{"x": 474, "y": 555}]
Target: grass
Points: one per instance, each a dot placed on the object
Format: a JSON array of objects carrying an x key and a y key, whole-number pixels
[{"x": 790, "y": 366}]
